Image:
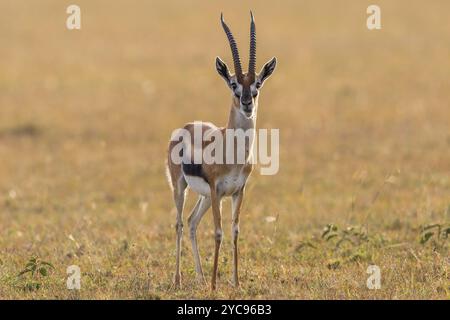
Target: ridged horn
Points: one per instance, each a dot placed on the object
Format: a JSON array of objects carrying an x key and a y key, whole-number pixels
[
  {"x": 234, "y": 49},
  {"x": 252, "y": 56}
]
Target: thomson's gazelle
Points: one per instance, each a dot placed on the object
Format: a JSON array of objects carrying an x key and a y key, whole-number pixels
[{"x": 215, "y": 181}]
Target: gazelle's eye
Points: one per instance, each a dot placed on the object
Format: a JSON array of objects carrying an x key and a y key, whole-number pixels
[
  {"x": 258, "y": 85},
  {"x": 233, "y": 86}
]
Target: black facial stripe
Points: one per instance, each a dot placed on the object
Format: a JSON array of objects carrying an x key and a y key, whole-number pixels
[{"x": 246, "y": 95}]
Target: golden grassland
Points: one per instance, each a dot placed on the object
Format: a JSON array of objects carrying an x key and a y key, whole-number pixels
[{"x": 364, "y": 118}]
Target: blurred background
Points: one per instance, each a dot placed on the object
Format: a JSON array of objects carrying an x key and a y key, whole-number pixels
[{"x": 85, "y": 117}]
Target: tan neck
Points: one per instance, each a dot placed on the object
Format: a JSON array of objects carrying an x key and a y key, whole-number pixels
[{"x": 237, "y": 120}]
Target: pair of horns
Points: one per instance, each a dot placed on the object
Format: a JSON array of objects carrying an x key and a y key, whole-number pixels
[{"x": 235, "y": 52}]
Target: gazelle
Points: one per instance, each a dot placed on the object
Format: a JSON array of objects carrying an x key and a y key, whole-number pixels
[{"x": 214, "y": 181}]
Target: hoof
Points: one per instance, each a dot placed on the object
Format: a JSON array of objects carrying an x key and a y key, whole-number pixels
[
  {"x": 177, "y": 282},
  {"x": 200, "y": 280}
]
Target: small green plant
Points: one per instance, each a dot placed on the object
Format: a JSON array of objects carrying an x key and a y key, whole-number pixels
[
  {"x": 329, "y": 232},
  {"x": 305, "y": 244},
  {"x": 436, "y": 234},
  {"x": 34, "y": 272},
  {"x": 348, "y": 245},
  {"x": 334, "y": 264},
  {"x": 354, "y": 235}
]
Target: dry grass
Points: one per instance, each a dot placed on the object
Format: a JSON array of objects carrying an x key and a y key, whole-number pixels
[{"x": 365, "y": 141}]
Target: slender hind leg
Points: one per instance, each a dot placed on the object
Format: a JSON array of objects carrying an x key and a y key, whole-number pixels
[
  {"x": 178, "y": 195},
  {"x": 194, "y": 219},
  {"x": 236, "y": 208}
]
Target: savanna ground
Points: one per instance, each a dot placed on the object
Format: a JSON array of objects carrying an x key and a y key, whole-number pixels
[{"x": 364, "y": 118}]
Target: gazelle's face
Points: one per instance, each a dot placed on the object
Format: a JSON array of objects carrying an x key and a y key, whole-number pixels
[
  {"x": 246, "y": 94},
  {"x": 245, "y": 90}
]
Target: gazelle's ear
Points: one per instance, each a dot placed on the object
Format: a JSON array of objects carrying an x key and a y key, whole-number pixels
[
  {"x": 222, "y": 69},
  {"x": 266, "y": 71}
]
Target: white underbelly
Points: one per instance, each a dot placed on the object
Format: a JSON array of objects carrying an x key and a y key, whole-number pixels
[
  {"x": 226, "y": 185},
  {"x": 230, "y": 184},
  {"x": 198, "y": 184}
]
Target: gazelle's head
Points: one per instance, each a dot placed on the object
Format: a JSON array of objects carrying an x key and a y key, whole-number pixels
[{"x": 245, "y": 87}]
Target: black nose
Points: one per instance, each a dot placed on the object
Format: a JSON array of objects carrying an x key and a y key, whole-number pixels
[{"x": 246, "y": 104}]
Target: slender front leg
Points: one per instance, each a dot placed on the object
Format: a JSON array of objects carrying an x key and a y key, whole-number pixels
[
  {"x": 236, "y": 209},
  {"x": 215, "y": 200}
]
